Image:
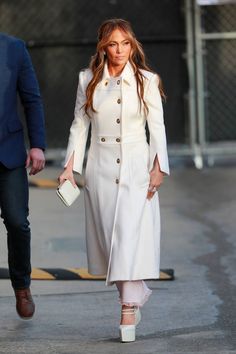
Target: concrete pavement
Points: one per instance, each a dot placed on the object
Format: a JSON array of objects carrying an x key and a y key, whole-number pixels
[{"x": 193, "y": 314}]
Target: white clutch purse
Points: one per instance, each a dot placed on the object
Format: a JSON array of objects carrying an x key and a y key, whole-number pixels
[{"x": 67, "y": 192}]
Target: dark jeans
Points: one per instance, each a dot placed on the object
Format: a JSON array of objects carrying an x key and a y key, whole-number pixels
[{"x": 14, "y": 211}]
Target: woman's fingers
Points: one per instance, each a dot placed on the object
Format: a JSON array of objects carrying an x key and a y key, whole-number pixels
[
  {"x": 152, "y": 188},
  {"x": 150, "y": 195},
  {"x": 156, "y": 179},
  {"x": 61, "y": 179},
  {"x": 72, "y": 180},
  {"x": 151, "y": 191},
  {"x": 64, "y": 176}
]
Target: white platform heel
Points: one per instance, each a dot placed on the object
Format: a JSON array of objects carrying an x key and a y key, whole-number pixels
[{"x": 127, "y": 332}]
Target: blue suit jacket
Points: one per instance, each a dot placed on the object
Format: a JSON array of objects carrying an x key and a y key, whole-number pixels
[{"x": 17, "y": 76}]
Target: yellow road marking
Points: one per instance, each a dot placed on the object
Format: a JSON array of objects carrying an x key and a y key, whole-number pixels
[
  {"x": 84, "y": 274},
  {"x": 164, "y": 275},
  {"x": 44, "y": 183},
  {"x": 39, "y": 274}
]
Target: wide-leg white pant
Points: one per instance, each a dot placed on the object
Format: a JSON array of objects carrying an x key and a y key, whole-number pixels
[{"x": 133, "y": 293}]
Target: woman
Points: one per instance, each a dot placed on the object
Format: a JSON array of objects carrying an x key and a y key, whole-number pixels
[{"x": 118, "y": 94}]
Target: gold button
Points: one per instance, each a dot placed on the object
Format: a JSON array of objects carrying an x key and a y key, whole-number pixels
[
  {"x": 118, "y": 160},
  {"x": 119, "y": 101},
  {"x": 106, "y": 83},
  {"x": 118, "y": 140},
  {"x": 118, "y": 121},
  {"x": 103, "y": 139},
  {"x": 117, "y": 181},
  {"x": 118, "y": 82}
]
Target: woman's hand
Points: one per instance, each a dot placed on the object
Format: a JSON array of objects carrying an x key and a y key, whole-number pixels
[
  {"x": 156, "y": 179},
  {"x": 68, "y": 172}
]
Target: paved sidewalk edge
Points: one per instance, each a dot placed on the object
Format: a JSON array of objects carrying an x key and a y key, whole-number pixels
[{"x": 75, "y": 274}]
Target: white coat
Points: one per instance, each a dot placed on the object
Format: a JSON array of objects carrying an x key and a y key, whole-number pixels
[{"x": 122, "y": 226}]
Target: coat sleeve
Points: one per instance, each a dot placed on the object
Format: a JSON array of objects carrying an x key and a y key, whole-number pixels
[
  {"x": 28, "y": 88},
  {"x": 79, "y": 129},
  {"x": 156, "y": 126}
]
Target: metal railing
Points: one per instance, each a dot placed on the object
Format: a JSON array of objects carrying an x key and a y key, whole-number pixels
[{"x": 211, "y": 52}]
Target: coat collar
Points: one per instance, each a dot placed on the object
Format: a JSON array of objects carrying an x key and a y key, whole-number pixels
[{"x": 127, "y": 73}]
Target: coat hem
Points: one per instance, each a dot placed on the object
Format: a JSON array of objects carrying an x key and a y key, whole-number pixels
[{"x": 113, "y": 281}]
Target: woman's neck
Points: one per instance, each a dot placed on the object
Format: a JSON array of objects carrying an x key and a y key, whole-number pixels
[{"x": 115, "y": 71}]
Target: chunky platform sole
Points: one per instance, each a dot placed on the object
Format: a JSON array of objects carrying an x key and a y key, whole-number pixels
[{"x": 127, "y": 333}]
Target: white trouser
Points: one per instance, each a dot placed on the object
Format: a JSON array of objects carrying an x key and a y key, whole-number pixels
[{"x": 133, "y": 293}]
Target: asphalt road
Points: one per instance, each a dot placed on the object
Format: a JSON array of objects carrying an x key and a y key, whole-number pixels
[{"x": 193, "y": 314}]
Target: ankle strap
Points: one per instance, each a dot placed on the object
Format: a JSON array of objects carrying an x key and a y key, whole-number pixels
[{"x": 129, "y": 311}]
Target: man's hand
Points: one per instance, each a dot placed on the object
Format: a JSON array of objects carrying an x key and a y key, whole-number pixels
[{"x": 36, "y": 159}]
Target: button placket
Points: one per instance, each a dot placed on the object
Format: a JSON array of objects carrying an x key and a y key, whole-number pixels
[{"x": 118, "y": 139}]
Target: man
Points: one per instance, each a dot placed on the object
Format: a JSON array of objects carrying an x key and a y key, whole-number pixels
[{"x": 17, "y": 76}]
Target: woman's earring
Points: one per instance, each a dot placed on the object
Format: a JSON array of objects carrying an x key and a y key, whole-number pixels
[{"x": 104, "y": 53}]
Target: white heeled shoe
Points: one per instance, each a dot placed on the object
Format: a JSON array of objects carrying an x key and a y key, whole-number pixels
[
  {"x": 127, "y": 332},
  {"x": 137, "y": 315}
]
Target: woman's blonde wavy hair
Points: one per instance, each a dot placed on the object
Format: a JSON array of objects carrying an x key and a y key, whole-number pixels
[{"x": 137, "y": 60}]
